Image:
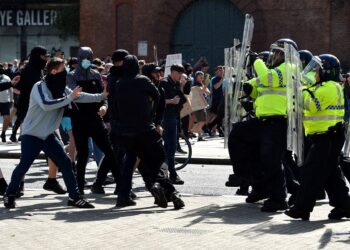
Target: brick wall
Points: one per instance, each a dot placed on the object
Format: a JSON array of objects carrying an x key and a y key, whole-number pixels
[{"x": 318, "y": 25}]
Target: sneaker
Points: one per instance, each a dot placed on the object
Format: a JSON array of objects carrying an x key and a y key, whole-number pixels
[
  {"x": 133, "y": 196},
  {"x": 255, "y": 197},
  {"x": 54, "y": 186},
  {"x": 3, "y": 137},
  {"x": 125, "y": 203},
  {"x": 109, "y": 180},
  {"x": 3, "y": 186},
  {"x": 97, "y": 189},
  {"x": 201, "y": 139},
  {"x": 295, "y": 214},
  {"x": 178, "y": 202},
  {"x": 177, "y": 180},
  {"x": 79, "y": 203},
  {"x": 274, "y": 206},
  {"x": 13, "y": 138},
  {"x": 9, "y": 201},
  {"x": 181, "y": 151},
  {"x": 159, "y": 195},
  {"x": 339, "y": 213}
]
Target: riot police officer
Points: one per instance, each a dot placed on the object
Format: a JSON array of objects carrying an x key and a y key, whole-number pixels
[
  {"x": 269, "y": 89},
  {"x": 323, "y": 123}
]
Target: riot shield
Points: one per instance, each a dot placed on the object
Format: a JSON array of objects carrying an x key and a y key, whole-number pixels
[
  {"x": 231, "y": 58},
  {"x": 295, "y": 132},
  {"x": 237, "y": 111},
  {"x": 346, "y": 147}
]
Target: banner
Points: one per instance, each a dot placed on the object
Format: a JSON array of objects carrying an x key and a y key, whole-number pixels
[{"x": 170, "y": 60}]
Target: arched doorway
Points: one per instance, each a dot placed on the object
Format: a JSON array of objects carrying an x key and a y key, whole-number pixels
[{"x": 205, "y": 28}]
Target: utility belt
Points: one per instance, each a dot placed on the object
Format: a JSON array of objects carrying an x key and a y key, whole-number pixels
[
  {"x": 277, "y": 118},
  {"x": 337, "y": 129}
]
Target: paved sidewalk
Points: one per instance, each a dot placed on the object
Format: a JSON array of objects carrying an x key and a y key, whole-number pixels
[{"x": 42, "y": 221}]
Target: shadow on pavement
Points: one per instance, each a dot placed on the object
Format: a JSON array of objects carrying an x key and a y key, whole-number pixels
[{"x": 233, "y": 214}]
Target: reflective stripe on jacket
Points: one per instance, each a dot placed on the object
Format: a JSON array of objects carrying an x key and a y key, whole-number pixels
[
  {"x": 323, "y": 107},
  {"x": 269, "y": 90}
]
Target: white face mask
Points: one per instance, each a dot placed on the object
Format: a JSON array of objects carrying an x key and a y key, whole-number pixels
[{"x": 85, "y": 63}]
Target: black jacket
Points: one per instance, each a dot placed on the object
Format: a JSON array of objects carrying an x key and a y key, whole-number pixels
[
  {"x": 91, "y": 82},
  {"x": 172, "y": 89},
  {"x": 136, "y": 99},
  {"x": 115, "y": 74},
  {"x": 30, "y": 74}
]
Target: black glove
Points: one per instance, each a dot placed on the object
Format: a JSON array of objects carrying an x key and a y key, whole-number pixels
[
  {"x": 248, "y": 105},
  {"x": 252, "y": 57},
  {"x": 247, "y": 88}
]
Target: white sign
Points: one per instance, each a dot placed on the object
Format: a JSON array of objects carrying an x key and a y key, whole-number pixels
[
  {"x": 171, "y": 60},
  {"x": 28, "y": 17},
  {"x": 142, "y": 48}
]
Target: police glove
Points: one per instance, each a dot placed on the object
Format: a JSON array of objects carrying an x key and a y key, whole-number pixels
[
  {"x": 252, "y": 57},
  {"x": 248, "y": 105},
  {"x": 247, "y": 88}
]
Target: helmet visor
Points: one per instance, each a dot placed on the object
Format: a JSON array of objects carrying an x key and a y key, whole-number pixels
[{"x": 308, "y": 76}]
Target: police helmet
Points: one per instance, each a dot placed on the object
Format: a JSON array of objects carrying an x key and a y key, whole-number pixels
[
  {"x": 264, "y": 55},
  {"x": 279, "y": 44},
  {"x": 305, "y": 57},
  {"x": 330, "y": 68}
]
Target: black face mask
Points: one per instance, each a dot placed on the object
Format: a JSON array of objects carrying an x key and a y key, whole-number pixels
[{"x": 56, "y": 84}]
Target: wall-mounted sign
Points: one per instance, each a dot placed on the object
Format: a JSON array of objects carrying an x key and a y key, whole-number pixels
[
  {"x": 28, "y": 17},
  {"x": 142, "y": 48}
]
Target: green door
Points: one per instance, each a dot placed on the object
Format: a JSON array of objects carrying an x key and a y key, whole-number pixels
[{"x": 205, "y": 28}]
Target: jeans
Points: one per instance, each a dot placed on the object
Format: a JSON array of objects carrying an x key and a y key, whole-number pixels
[
  {"x": 96, "y": 151},
  {"x": 53, "y": 148},
  {"x": 170, "y": 143}
]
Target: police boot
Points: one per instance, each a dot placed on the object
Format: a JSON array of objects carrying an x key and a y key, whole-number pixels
[
  {"x": 295, "y": 214},
  {"x": 256, "y": 196},
  {"x": 273, "y": 206},
  {"x": 338, "y": 213},
  {"x": 236, "y": 181}
]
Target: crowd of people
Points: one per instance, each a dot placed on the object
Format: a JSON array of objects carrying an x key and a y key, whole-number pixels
[
  {"x": 105, "y": 106},
  {"x": 131, "y": 114}
]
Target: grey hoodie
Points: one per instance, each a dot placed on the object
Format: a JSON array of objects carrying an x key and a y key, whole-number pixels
[{"x": 45, "y": 114}]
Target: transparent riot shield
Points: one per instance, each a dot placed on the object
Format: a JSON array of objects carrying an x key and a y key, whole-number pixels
[
  {"x": 236, "y": 108},
  {"x": 346, "y": 147},
  {"x": 231, "y": 58},
  {"x": 295, "y": 132},
  {"x": 228, "y": 92}
]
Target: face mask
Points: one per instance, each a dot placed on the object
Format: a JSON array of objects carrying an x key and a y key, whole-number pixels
[
  {"x": 85, "y": 64},
  {"x": 57, "y": 84}
]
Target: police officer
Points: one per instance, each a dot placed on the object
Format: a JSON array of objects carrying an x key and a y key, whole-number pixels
[
  {"x": 269, "y": 89},
  {"x": 323, "y": 122}
]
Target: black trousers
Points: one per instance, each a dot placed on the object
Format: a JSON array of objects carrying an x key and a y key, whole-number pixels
[
  {"x": 149, "y": 148},
  {"x": 96, "y": 130},
  {"x": 321, "y": 171},
  {"x": 292, "y": 173},
  {"x": 272, "y": 147},
  {"x": 243, "y": 151}
]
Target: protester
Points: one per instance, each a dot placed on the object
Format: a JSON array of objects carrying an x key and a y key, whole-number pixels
[{"x": 47, "y": 101}]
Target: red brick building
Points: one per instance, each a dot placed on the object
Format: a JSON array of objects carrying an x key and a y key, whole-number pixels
[{"x": 178, "y": 26}]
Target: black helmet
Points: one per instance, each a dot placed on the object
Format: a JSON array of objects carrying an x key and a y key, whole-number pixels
[
  {"x": 264, "y": 55},
  {"x": 330, "y": 68},
  {"x": 279, "y": 44},
  {"x": 305, "y": 57},
  {"x": 277, "y": 48}
]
